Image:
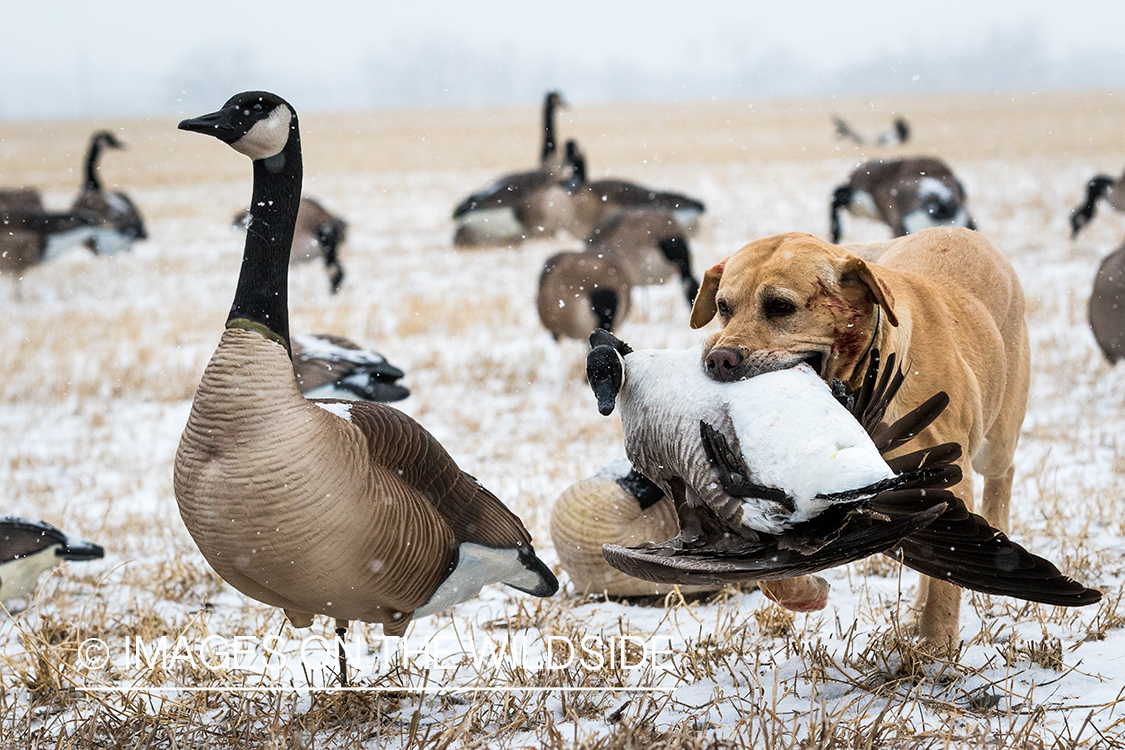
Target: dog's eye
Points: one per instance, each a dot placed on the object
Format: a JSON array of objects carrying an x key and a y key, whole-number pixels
[
  {"x": 779, "y": 308},
  {"x": 723, "y": 308}
]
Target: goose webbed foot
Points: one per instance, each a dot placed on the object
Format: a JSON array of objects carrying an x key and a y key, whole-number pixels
[{"x": 734, "y": 475}]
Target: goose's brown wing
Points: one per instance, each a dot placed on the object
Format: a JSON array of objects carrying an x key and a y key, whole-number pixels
[
  {"x": 20, "y": 538},
  {"x": 472, "y": 512}
]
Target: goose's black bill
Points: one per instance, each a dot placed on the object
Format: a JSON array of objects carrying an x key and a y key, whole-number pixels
[{"x": 220, "y": 124}]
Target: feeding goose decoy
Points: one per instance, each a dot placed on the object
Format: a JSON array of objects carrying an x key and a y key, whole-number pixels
[
  {"x": 579, "y": 292},
  {"x": 329, "y": 366},
  {"x": 521, "y": 205},
  {"x": 29, "y": 237},
  {"x": 908, "y": 195},
  {"x": 318, "y": 234},
  {"x": 773, "y": 477},
  {"x": 348, "y": 509},
  {"x": 649, "y": 245},
  {"x": 30, "y": 548},
  {"x": 121, "y": 222},
  {"x": 1099, "y": 187},
  {"x": 594, "y": 201},
  {"x": 1106, "y": 308}
]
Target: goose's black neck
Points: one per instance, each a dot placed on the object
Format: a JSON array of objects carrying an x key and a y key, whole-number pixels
[
  {"x": 261, "y": 301},
  {"x": 92, "y": 155},
  {"x": 549, "y": 144}
]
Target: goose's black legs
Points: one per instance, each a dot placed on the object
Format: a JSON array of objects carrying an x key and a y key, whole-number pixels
[{"x": 341, "y": 634}]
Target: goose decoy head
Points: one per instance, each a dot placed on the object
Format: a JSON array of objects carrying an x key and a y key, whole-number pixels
[
  {"x": 605, "y": 368},
  {"x": 254, "y": 123}
]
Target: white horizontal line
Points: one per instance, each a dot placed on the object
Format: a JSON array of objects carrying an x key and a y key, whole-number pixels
[{"x": 282, "y": 689}]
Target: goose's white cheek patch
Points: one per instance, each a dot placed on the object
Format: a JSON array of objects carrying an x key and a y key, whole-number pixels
[{"x": 268, "y": 137}]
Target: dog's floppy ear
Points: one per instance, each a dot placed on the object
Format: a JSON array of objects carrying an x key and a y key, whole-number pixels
[
  {"x": 703, "y": 309},
  {"x": 855, "y": 270}
]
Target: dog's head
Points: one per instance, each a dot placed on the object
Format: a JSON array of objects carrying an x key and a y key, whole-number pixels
[{"x": 787, "y": 299}]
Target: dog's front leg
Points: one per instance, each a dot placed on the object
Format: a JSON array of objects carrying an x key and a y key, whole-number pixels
[{"x": 800, "y": 594}]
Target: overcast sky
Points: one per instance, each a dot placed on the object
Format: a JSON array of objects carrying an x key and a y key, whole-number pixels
[{"x": 78, "y": 58}]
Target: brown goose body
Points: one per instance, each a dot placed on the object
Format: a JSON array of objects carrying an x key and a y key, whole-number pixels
[
  {"x": 348, "y": 509},
  {"x": 579, "y": 292},
  {"x": 30, "y": 237},
  {"x": 1107, "y": 306},
  {"x": 20, "y": 198}
]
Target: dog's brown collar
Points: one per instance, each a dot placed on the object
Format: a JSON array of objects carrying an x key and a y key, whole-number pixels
[{"x": 874, "y": 335}]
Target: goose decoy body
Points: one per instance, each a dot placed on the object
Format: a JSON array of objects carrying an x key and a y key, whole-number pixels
[
  {"x": 348, "y": 509},
  {"x": 579, "y": 292},
  {"x": 1099, "y": 187},
  {"x": 908, "y": 195},
  {"x": 29, "y": 237},
  {"x": 318, "y": 234},
  {"x": 1106, "y": 308},
  {"x": 616, "y": 506},
  {"x": 120, "y": 220},
  {"x": 770, "y": 481},
  {"x": 330, "y": 366},
  {"x": 592, "y": 202},
  {"x": 649, "y": 244},
  {"x": 30, "y": 548}
]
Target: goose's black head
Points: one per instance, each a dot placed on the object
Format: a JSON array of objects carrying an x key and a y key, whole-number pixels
[
  {"x": 255, "y": 123},
  {"x": 605, "y": 368}
]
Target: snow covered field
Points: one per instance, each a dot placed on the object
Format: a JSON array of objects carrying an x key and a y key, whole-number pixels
[{"x": 102, "y": 356}]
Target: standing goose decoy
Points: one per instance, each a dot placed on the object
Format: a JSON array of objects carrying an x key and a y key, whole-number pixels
[
  {"x": 329, "y": 366},
  {"x": 592, "y": 202},
  {"x": 579, "y": 292},
  {"x": 522, "y": 205},
  {"x": 30, "y": 548},
  {"x": 1099, "y": 187},
  {"x": 650, "y": 245},
  {"x": 348, "y": 509},
  {"x": 908, "y": 195},
  {"x": 30, "y": 237},
  {"x": 772, "y": 477},
  {"x": 896, "y": 135},
  {"x": 318, "y": 234},
  {"x": 1107, "y": 306},
  {"x": 121, "y": 222}
]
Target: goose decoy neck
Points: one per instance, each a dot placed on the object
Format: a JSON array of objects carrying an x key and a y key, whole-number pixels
[
  {"x": 263, "y": 127},
  {"x": 552, "y": 101},
  {"x": 93, "y": 154}
]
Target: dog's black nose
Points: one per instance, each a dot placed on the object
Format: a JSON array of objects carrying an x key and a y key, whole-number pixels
[{"x": 723, "y": 362}]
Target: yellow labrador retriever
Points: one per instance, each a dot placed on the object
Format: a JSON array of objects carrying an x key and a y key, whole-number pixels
[{"x": 944, "y": 300}]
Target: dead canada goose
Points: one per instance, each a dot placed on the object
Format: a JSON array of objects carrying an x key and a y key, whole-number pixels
[
  {"x": 800, "y": 483},
  {"x": 579, "y": 292},
  {"x": 1099, "y": 187},
  {"x": 908, "y": 195},
  {"x": 121, "y": 222},
  {"x": 319, "y": 234},
  {"x": 30, "y": 237},
  {"x": 616, "y": 506},
  {"x": 30, "y": 548},
  {"x": 522, "y": 205},
  {"x": 348, "y": 509},
  {"x": 649, "y": 245},
  {"x": 592, "y": 202},
  {"x": 1107, "y": 306},
  {"x": 329, "y": 366}
]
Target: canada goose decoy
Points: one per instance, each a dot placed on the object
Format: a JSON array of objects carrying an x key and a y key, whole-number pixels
[
  {"x": 348, "y": 509},
  {"x": 319, "y": 234},
  {"x": 771, "y": 480},
  {"x": 616, "y": 506},
  {"x": 30, "y": 548},
  {"x": 896, "y": 135},
  {"x": 592, "y": 202},
  {"x": 522, "y": 205},
  {"x": 908, "y": 195},
  {"x": 1107, "y": 306},
  {"x": 329, "y": 366},
  {"x": 1099, "y": 187},
  {"x": 579, "y": 292},
  {"x": 120, "y": 220},
  {"x": 650, "y": 245},
  {"x": 30, "y": 237}
]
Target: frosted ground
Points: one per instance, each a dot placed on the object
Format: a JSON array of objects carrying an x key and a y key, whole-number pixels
[{"x": 103, "y": 355}]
